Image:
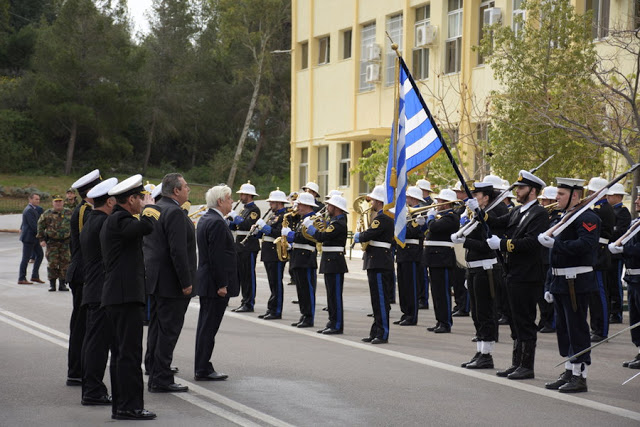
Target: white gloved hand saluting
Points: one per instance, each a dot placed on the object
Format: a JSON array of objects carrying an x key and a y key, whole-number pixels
[
  {"x": 615, "y": 249},
  {"x": 260, "y": 223},
  {"x": 285, "y": 231},
  {"x": 494, "y": 242},
  {"x": 456, "y": 239},
  {"x": 548, "y": 297},
  {"x": 472, "y": 204},
  {"x": 307, "y": 222},
  {"x": 545, "y": 240}
]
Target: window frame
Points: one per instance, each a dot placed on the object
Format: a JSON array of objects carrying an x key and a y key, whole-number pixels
[
  {"x": 323, "y": 174},
  {"x": 347, "y": 46},
  {"x": 324, "y": 51},
  {"x": 454, "y": 40},
  {"x": 304, "y": 55},
  {"x": 345, "y": 163},
  {"x": 303, "y": 167},
  {"x": 422, "y": 52},
  {"x": 390, "y": 54},
  {"x": 365, "y": 40}
]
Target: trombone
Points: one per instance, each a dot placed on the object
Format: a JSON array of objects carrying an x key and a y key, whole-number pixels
[
  {"x": 415, "y": 212},
  {"x": 195, "y": 214}
]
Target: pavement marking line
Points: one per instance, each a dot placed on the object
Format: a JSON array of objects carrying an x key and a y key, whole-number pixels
[
  {"x": 552, "y": 394},
  {"x": 216, "y": 410}
]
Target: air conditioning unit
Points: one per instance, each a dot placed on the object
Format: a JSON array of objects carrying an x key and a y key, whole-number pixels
[
  {"x": 372, "y": 52},
  {"x": 425, "y": 34},
  {"x": 372, "y": 73},
  {"x": 492, "y": 15}
]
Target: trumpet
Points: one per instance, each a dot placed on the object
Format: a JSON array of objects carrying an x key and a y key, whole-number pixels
[
  {"x": 254, "y": 228},
  {"x": 415, "y": 212}
]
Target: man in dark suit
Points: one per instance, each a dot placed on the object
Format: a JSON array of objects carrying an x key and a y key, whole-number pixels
[
  {"x": 170, "y": 261},
  {"x": 123, "y": 293},
  {"x": 217, "y": 277},
  {"x": 30, "y": 245}
]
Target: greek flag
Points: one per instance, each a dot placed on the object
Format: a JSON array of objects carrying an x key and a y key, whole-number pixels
[{"x": 414, "y": 144}]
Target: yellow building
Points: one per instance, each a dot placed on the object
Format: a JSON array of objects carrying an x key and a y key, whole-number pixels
[{"x": 342, "y": 74}]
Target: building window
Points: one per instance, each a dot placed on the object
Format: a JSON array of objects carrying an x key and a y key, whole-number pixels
[
  {"x": 345, "y": 164},
  {"x": 394, "y": 28},
  {"x": 303, "y": 169},
  {"x": 367, "y": 39},
  {"x": 363, "y": 186},
  {"x": 453, "y": 44},
  {"x": 517, "y": 18},
  {"x": 304, "y": 55},
  {"x": 421, "y": 54},
  {"x": 346, "y": 44},
  {"x": 637, "y": 15},
  {"x": 323, "y": 169},
  {"x": 600, "y": 10},
  {"x": 324, "y": 48},
  {"x": 483, "y": 6}
]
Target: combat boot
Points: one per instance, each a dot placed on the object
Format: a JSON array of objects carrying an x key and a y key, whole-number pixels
[
  {"x": 485, "y": 361},
  {"x": 577, "y": 384},
  {"x": 516, "y": 358},
  {"x": 563, "y": 379},
  {"x": 52, "y": 285},
  {"x": 62, "y": 286},
  {"x": 525, "y": 370},
  {"x": 473, "y": 359}
]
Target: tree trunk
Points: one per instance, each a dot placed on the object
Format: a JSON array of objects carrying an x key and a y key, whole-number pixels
[
  {"x": 147, "y": 154},
  {"x": 71, "y": 147},
  {"x": 259, "y": 144},
  {"x": 247, "y": 122}
]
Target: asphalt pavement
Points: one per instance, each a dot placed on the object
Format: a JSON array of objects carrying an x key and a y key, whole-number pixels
[{"x": 281, "y": 376}]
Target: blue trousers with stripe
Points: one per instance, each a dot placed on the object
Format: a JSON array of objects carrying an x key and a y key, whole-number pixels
[
  {"x": 440, "y": 281},
  {"x": 334, "y": 283},
  {"x": 247, "y": 277},
  {"x": 305, "y": 279},
  {"x": 275, "y": 272},
  {"x": 423, "y": 287},
  {"x": 572, "y": 327},
  {"x": 599, "y": 306},
  {"x": 614, "y": 283},
  {"x": 408, "y": 273},
  {"x": 380, "y": 288}
]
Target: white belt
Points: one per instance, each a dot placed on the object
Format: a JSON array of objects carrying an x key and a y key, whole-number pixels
[
  {"x": 603, "y": 241},
  {"x": 438, "y": 243},
  {"x": 332, "y": 249},
  {"x": 412, "y": 241},
  {"x": 379, "y": 244},
  {"x": 242, "y": 233},
  {"x": 571, "y": 272},
  {"x": 304, "y": 247},
  {"x": 633, "y": 271},
  {"x": 487, "y": 264},
  {"x": 268, "y": 239}
]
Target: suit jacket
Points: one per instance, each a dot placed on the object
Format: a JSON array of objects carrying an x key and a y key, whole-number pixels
[
  {"x": 170, "y": 252},
  {"x": 92, "y": 257},
  {"x": 75, "y": 271},
  {"x": 29, "y": 227},
  {"x": 218, "y": 259},
  {"x": 121, "y": 244}
]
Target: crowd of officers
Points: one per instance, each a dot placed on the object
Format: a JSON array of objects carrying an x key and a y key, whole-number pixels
[{"x": 511, "y": 268}]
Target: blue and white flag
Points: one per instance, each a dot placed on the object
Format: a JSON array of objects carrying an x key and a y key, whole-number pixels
[{"x": 415, "y": 143}]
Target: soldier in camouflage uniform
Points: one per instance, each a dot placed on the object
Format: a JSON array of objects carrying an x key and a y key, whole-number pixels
[
  {"x": 71, "y": 201},
  {"x": 54, "y": 229}
]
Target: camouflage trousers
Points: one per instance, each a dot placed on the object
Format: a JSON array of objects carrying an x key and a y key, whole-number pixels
[{"x": 58, "y": 256}]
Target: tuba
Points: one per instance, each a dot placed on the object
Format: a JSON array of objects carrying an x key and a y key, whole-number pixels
[
  {"x": 362, "y": 208},
  {"x": 282, "y": 246}
]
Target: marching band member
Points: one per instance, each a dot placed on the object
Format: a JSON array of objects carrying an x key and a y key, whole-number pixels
[
  {"x": 423, "y": 291},
  {"x": 547, "y": 322},
  {"x": 313, "y": 189}
]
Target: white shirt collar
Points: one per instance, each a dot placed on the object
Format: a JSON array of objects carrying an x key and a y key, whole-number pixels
[
  {"x": 219, "y": 213},
  {"x": 526, "y": 206}
]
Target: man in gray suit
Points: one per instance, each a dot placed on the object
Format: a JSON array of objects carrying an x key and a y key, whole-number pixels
[{"x": 30, "y": 245}]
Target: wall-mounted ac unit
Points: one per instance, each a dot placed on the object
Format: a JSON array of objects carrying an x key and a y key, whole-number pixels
[
  {"x": 492, "y": 15},
  {"x": 372, "y": 52},
  {"x": 372, "y": 73},
  {"x": 425, "y": 34}
]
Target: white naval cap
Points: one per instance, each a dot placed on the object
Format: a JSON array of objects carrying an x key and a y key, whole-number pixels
[
  {"x": 312, "y": 186},
  {"x": 448, "y": 195},
  {"x": 157, "y": 191},
  {"x": 423, "y": 184},
  {"x": 306, "y": 199},
  {"x": 415, "y": 192},
  {"x": 570, "y": 183},
  {"x": 339, "y": 202},
  {"x": 485, "y": 187},
  {"x": 102, "y": 189},
  {"x": 247, "y": 188},
  {"x": 377, "y": 193},
  {"x": 277, "y": 196},
  {"x": 596, "y": 184},
  {"x": 527, "y": 178},
  {"x": 494, "y": 180},
  {"x": 149, "y": 187},
  {"x": 131, "y": 185},
  {"x": 87, "y": 181},
  {"x": 617, "y": 189},
  {"x": 333, "y": 193},
  {"x": 549, "y": 193}
]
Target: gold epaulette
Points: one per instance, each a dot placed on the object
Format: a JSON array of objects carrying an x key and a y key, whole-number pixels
[{"x": 152, "y": 212}]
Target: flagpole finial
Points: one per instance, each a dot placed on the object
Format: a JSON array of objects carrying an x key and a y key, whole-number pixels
[{"x": 394, "y": 46}]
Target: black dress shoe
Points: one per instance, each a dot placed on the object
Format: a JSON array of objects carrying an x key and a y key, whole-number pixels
[
  {"x": 521, "y": 374},
  {"x": 331, "y": 331},
  {"x": 546, "y": 330},
  {"x": 577, "y": 384},
  {"x": 407, "y": 322},
  {"x": 634, "y": 365},
  {"x": 507, "y": 372},
  {"x": 271, "y": 317},
  {"x": 433, "y": 328},
  {"x": 305, "y": 325},
  {"x": 295, "y": 323},
  {"x": 214, "y": 376},
  {"x": 504, "y": 320},
  {"x": 615, "y": 319},
  {"x": 377, "y": 340},
  {"x": 136, "y": 414},
  {"x": 563, "y": 379},
  {"x": 473, "y": 359},
  {"x": 397, "y": 322},
  {"x": 294, "y": 301},
  {"x": 244, "y": 309},
  {"x": 321, "y": 330},
  {"x": 485, "y": 361},
  {"x": 628, "y": 362},
  {"x": 366, "y": 339},
  {"x": 74, "y": 381},
  {"x": 460, "y": 313},
  {"x": 96, "y": 401},
  {"x": 262, "y": 316},
  {"x": 423, "y": 306},
  {"x": 597, "y": 338},
  {"x": 474, "y": 339},
  {"x": 170, "y": 388},
  {"x": 442, "y": 329},
  {"x": 370, "y": 315}
]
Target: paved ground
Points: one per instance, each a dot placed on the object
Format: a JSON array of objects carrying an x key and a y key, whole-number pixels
[{"x": 279, "y": 375}]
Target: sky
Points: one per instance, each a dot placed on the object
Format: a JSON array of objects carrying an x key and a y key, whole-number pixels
[{"x": 137, "y": 9}]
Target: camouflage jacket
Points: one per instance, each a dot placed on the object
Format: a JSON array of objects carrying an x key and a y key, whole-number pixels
[{"x": 54, "y": 225}]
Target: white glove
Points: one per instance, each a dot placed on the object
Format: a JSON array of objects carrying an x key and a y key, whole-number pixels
[
  {"x": 456, "y": 239},
  {"x": 307, "y": 222},
  {"x": 545, "y": 240},
  {"x": 472, "y": 204},
  {"x": 548, "y": 297},
  {"x": 420, "y": 220},
  {"x": 466, "y": 286},
  {"x": 432, "y": 212},
  {"x": 260, "y": 223},
  {"x": 232, "y": 215},
  {"x": 494, "y": 242},
  {"x": 615, "y": 249},
  {"x": 285, "y": 231}
]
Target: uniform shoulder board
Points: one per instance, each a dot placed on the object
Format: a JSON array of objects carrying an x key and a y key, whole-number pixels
[
  {"x": 330, "y": 229},
  {"x": 375, "y": 223},
  {"x": 254, "y": 215},
  {"x": 154, "y": 213}
]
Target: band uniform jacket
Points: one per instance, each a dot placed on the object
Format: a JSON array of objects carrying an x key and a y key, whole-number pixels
[
  {"x": 631, "y": 255},
  {"x": 303, "y": 258},
  {"x": 218, "y": 259},
  {"x": 523, "y": 251},
  {"x": 75, "y": 271},
  {"x": 268, "y": 253},
  {"x": 121, "y": 244},
  {"x": 412, "y": 252},
  {"x": 92, "y": 257},
  {"x": 623, "y": 221},
  {"x": 476, "y": 242},
  {"x": 170, "y": 252},
  {"x": 381, "y": 230},
  {"x": 29, "y": 227},
  {"x": 335, "y": 235},
  {"x": 607, "y": 216},
  {"x": 250, "y": 214},
  {"x": 576, "y": 246},
  {"x": 446, "y": 223}
]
